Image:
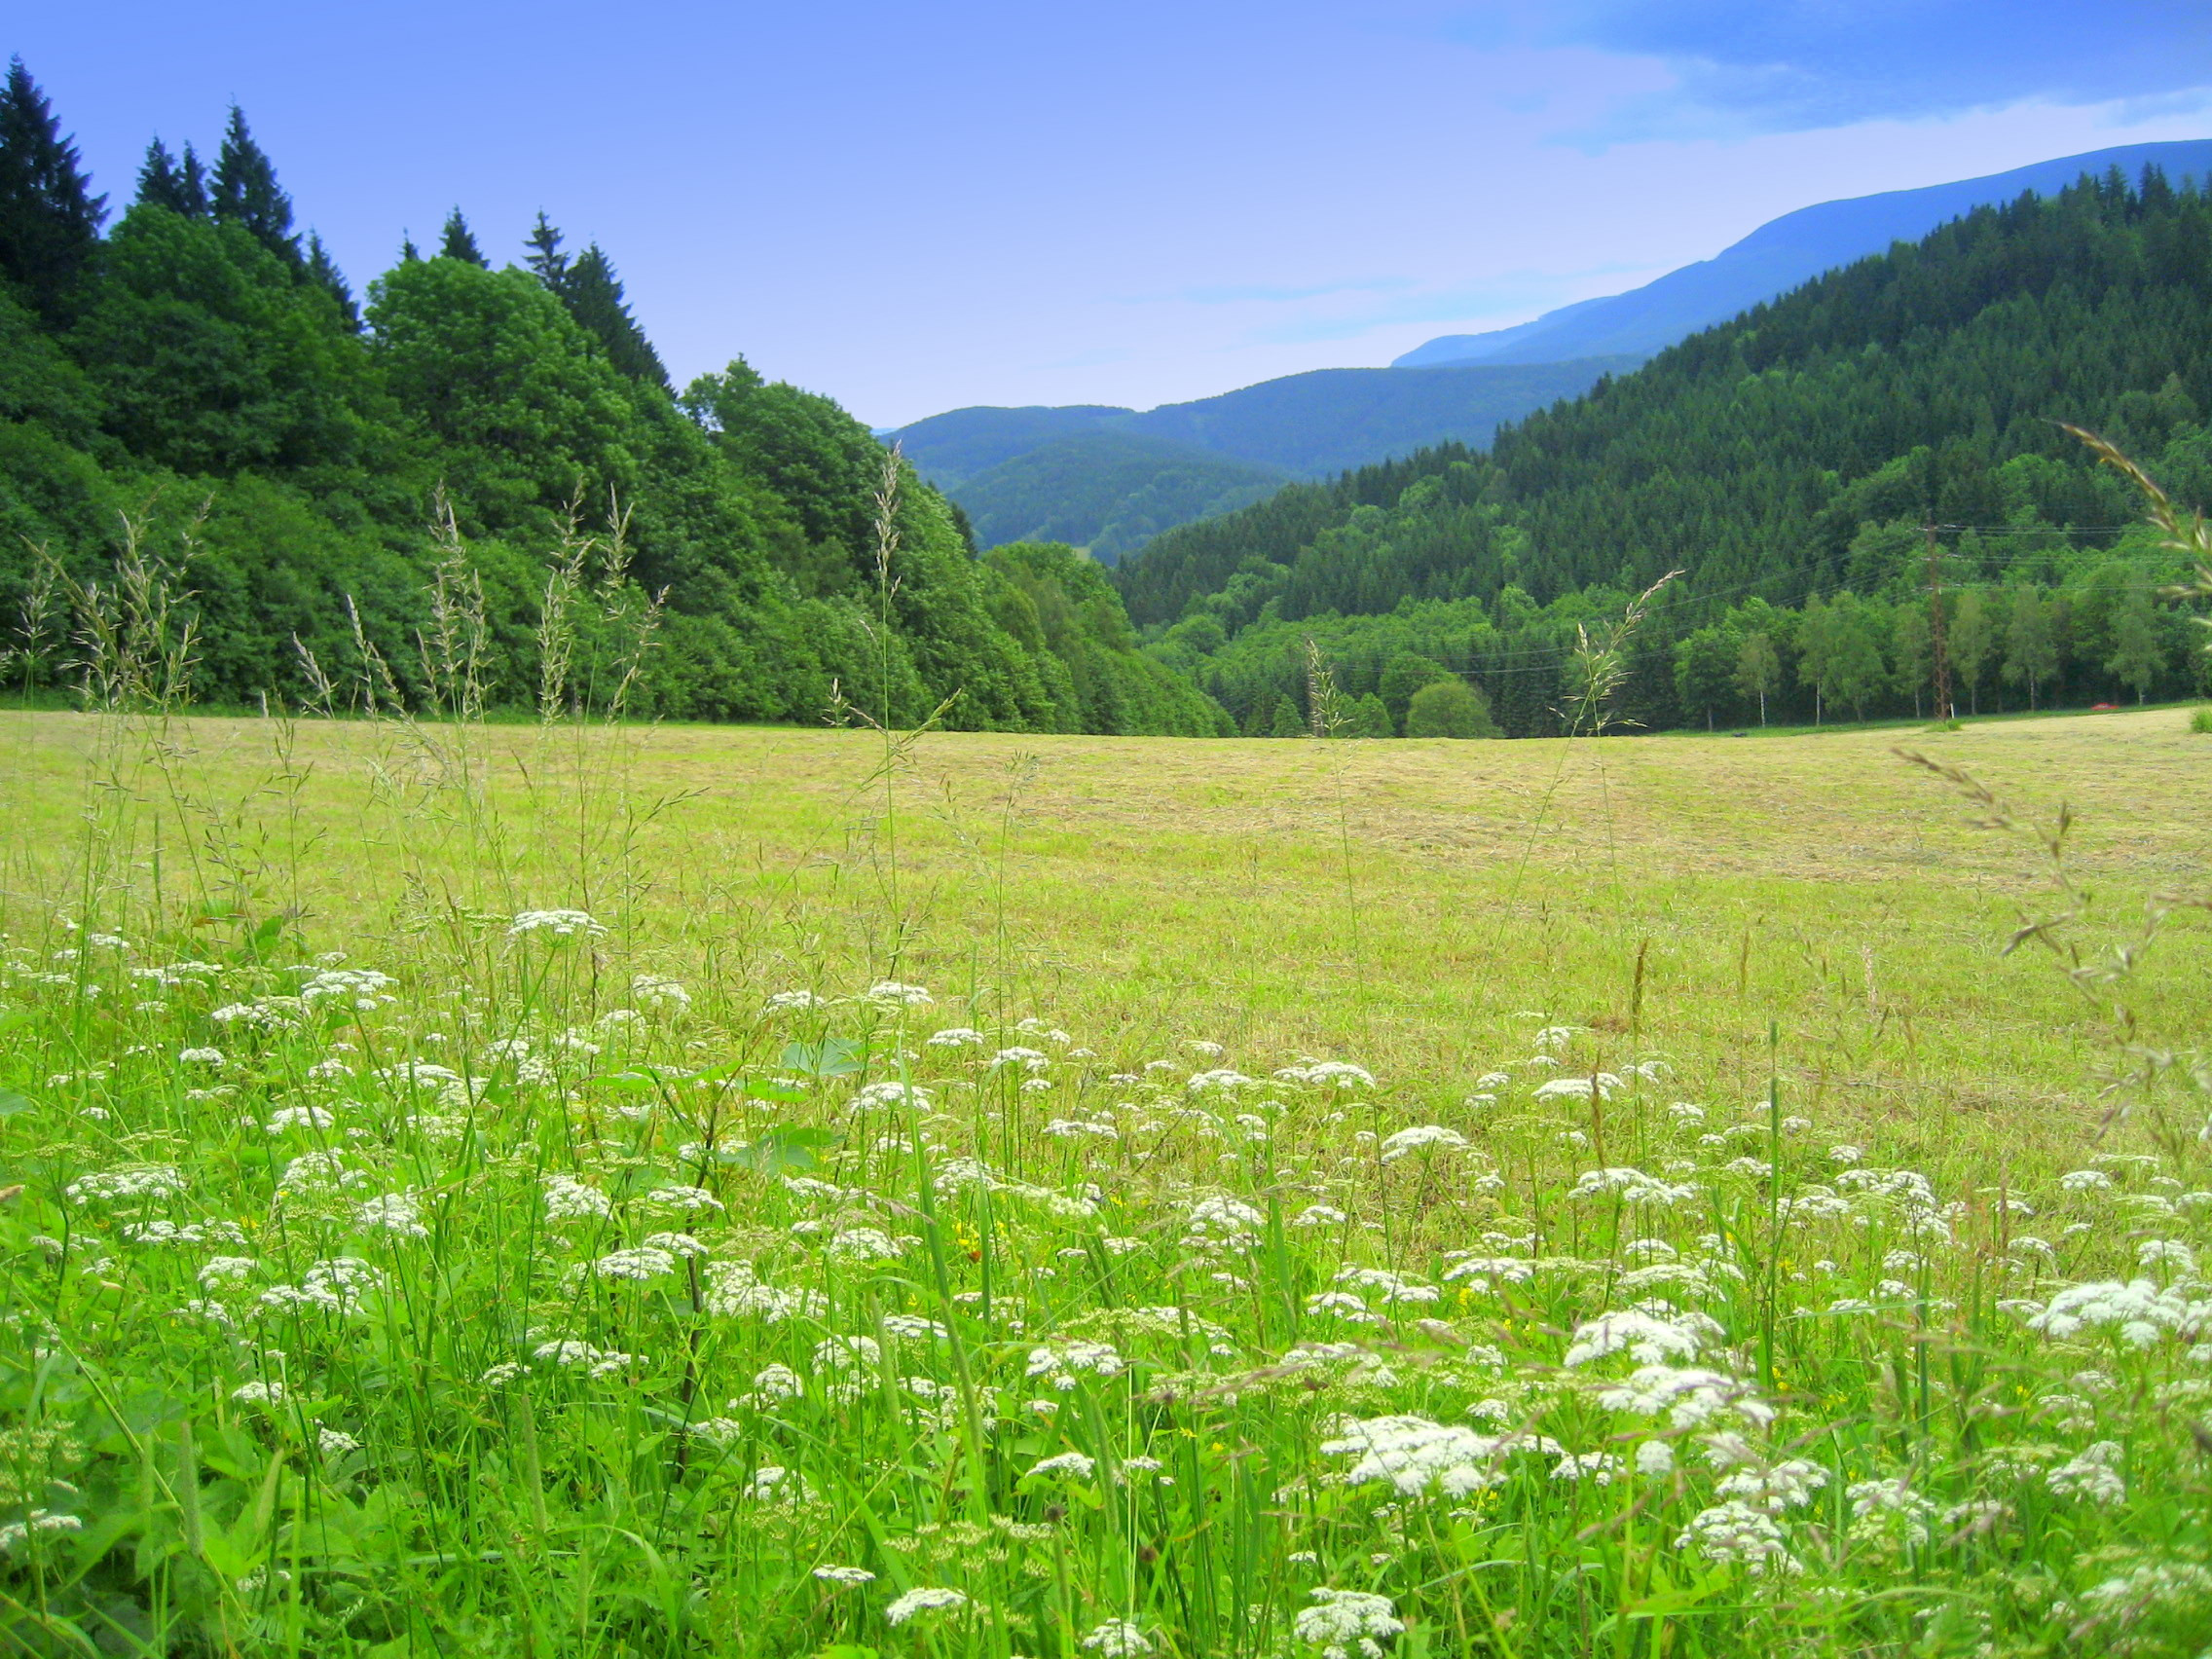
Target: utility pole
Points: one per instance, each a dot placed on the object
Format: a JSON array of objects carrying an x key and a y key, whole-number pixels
[{"x": 1940, "y": 656}]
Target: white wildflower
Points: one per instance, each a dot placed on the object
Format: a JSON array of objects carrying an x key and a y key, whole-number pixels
[
  {"x": 1118, "y": 1639},
  {"x": 567, "y": 1198},
  {"x": 844, "y": 1577},
  {"x": 1061, "y": 1363},
  {"x": 863, "y": 1244},
  {"x": 659, "y": 994},
  {"x": 1735, "y": 1531},
  {"x": 1412, "y": 1140},
  {"x": 561, "y": 924},
  {"x": 637, "y": 1265},
  {"x": 2093, "y": 1474},
  {"x": 891, "y": 993},
  {"x": 1646, "y": 1338},
  {"x": 1079, "y": 1465},
  {"x": 1345, "y": 1620},
  {"x": 926, "y": 1600}
]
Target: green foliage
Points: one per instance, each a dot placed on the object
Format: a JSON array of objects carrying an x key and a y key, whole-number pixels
[
  {"x": 457, "y": 242},
  {"x": 1448, "y": 708},
  {"x": 212, "y": 358},
  {"x": 2200, "y": 720},
  {"x": 1109, "y": 492},
  {"x": 50, "y": 220},
  {"x": 208, "y": 391},
  {"x": 1789, "y": 456},
  {"x": 1287, "y": 722},
  {"x": 245, "y": 191}
]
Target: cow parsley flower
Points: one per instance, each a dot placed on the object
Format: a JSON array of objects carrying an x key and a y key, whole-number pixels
[
  {"x": 1412, "y": 1140},
  {"x": 1118, "y": 1639},
  {"x": 1344, "y": 1620},
  {"x": 1414, "y": 1454},
  {"x": 1061, "y": 1363},
  {"x": 2139, "y": 1313},
  {"x": 567, "y": 1198},
  {"x": 1079, "y": 1465},
  {"x": 863, "y": 1244},
  {"x": 560, "y": 924},
  {"x": 130, "y": 1181},
  {"x": 1646, "y": 1338},
  {"x": 891, "y": 993},
  {"x": 844, "y": 1577},
  {"x": 1735, "y": 1531},
  {"x": 200, "y": 1057},
  {"x": 637, "y": 1265},
  {"x": 928, "y": 1600},
  {"x": 397, "y": 1213},
  {"x": 2093, "y": 1474},
  {"x": 659, "y": 994}
]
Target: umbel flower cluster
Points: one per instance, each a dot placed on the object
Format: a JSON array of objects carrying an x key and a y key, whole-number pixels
[{"x": 880, "y": 1319}]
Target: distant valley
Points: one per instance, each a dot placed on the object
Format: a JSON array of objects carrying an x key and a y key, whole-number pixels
[{"x": 1108, "y": 479}]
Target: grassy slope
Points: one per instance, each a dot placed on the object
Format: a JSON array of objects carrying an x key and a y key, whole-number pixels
[
  {"x": 517, "y": 1421},
  {"x": 1186, "y": 889}
]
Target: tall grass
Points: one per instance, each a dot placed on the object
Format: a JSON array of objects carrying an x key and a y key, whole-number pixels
[{"x": 483, "y": 1269}]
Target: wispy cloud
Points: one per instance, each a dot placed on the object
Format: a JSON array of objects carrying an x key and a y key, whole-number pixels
[{"x": 1743, "y": 67}]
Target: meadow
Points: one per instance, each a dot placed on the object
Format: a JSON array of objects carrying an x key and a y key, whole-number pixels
[{"x": 583, "y": 1189}]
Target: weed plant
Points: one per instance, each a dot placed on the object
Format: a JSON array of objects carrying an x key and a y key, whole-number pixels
[{"x": 472, "y": 1272}]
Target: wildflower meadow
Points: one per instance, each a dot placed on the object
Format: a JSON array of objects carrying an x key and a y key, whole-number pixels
[{"x": 568, "y": 1189}]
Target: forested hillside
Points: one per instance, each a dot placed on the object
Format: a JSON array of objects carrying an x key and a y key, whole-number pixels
[
  {"x": 1787, "y": 461},
  {"x": 1110, "y": 479},
  {"x": 200, "y": 382}
]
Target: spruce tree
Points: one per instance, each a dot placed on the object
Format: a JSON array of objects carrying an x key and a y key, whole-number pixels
[
  {"x": 545, "y": 259},
  {"x": 409, "y": 253},
  {"x": 323, "y": 271},
  {"x": 459, "y": 244},
  {"x": 180, "y": 186},
  {"x": 593, "y": 294},
  {"x": 50, "y": 221},
  {"x": 246, "y": 191}
]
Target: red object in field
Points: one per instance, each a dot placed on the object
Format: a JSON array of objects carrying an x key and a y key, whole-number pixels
[{"x": 2104, "y": 707}]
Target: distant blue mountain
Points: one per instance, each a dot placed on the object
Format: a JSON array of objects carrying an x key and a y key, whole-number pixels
[
  {"x": 1107, "y": 479},
  {"x": 1777, "y": 257}
]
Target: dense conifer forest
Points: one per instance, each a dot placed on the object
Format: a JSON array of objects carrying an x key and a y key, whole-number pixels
[
  {"x": 189, "y": 376},
  {"x": 1791, "y": 463}
]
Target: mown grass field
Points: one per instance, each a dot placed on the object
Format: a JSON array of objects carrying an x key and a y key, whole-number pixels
[{"x": 1437, "y": 1198}]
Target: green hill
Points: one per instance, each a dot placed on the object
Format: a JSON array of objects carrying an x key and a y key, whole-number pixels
[
  {"x": 1107, "y": 491},
  {"x": 483, "y": 468},
  {"x": 1789, "y": 456},
  {"x": 1080, "y": 469}
]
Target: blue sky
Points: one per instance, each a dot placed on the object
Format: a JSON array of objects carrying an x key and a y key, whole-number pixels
[{"x": 918, "y": 206}]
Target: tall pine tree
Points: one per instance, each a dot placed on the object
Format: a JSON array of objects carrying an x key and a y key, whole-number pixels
[
  {"x": 180, "y": 186},
  {"x": 546, "y": 260},
  {"x": 323, "y": 271},
  {"x": 459, "y": 244},
  {"x": 246, "y": 191},
  {"x": 593, "y": 294},
  {"x": 50, "y": 220}
]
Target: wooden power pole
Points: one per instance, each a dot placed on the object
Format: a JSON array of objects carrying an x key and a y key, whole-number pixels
[{"x": 1935, "y": 642}]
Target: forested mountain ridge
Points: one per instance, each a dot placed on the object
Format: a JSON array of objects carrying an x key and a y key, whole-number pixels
[
  {"x": 1792, "y": 454},
  {"x": 1073, "y": 468},
  {"x": 1781, "y": 254},
  {"x": 201, "y": 379}
]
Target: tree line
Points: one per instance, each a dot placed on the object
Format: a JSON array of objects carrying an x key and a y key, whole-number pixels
[{"x": 199, "y": 378}]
